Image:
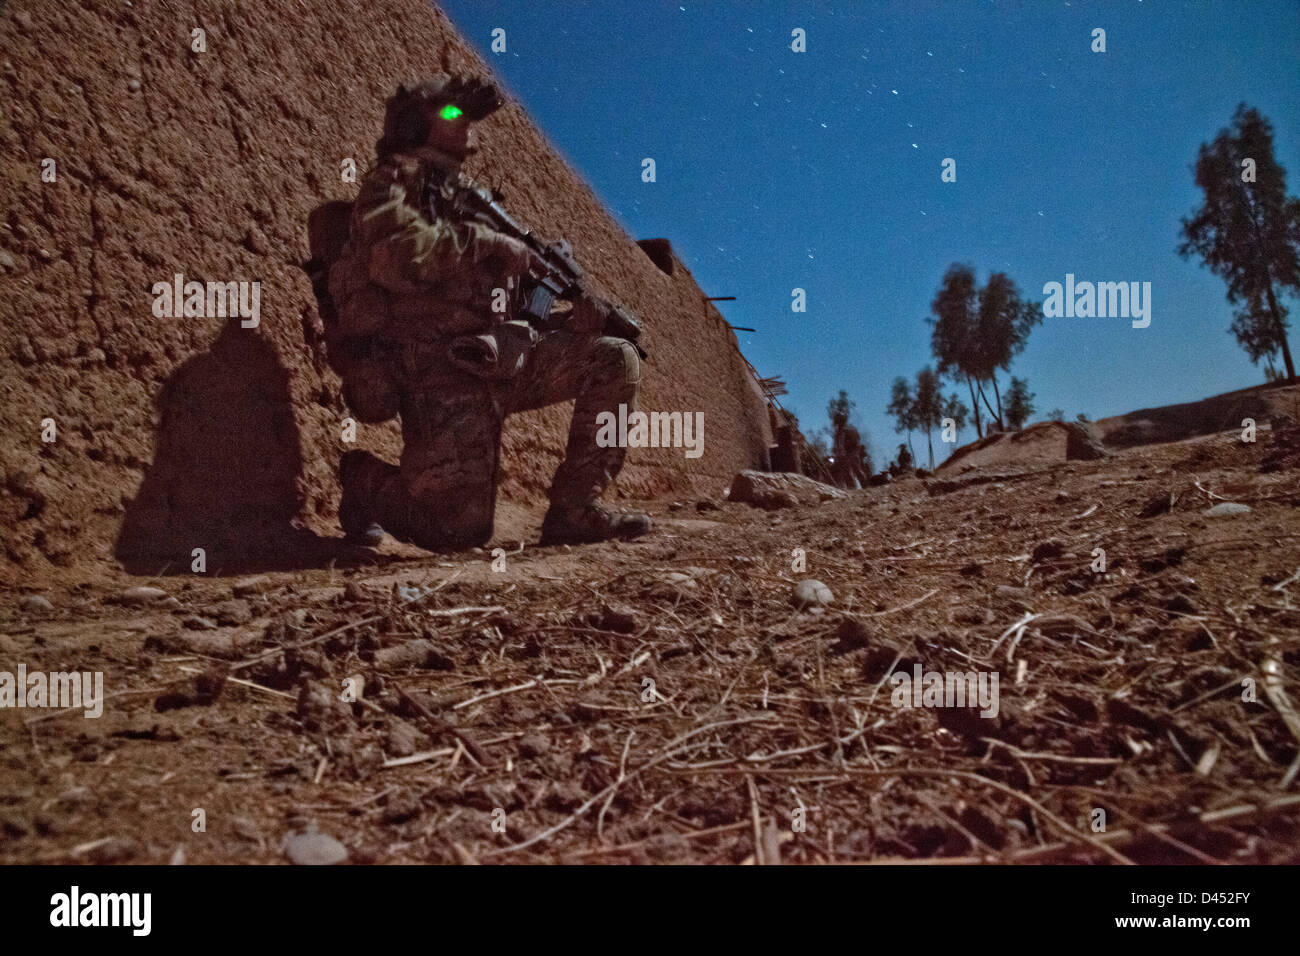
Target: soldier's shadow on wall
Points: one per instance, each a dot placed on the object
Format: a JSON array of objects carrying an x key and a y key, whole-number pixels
[{"x": 225, "y": 474}]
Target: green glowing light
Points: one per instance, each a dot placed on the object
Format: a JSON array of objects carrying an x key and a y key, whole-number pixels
[{"x": 450, "y": 112}]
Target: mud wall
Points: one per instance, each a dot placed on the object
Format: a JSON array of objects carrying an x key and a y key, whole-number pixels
[{"x": 173, "y": 433}]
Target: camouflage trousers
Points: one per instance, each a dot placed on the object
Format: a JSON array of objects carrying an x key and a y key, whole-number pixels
[{"x": 443, "y": 494}]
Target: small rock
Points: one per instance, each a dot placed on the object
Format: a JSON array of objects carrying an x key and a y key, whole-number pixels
[
  {"x": 7, "y": 263},
  {"x": 1047, "y": 550},
  {"x": 35, "y": 603},
  {"x": 116, "y": 850},
  {"x": 143, "y": 594},
  {"x": 706, "y": 504},
  {"x": 969, "y": 614},
  {"x": 235, "y": 612},
  {"x": 417, "y": 652},
  {"x": 401, "y": 808},
  {"x": 1226, "y": 509},
  {"x": 196, "y": 623},
  {"x": 257, "y": 585},
  {"x": 676, "y": 506},
  {"x": 851, "y": 635},
  {"x": 811, "y": 594},
  {"x": 533, "y": 745},
  {"x": 314, "y": 849},
  {"x": 133, "y": 85},
  {"x": 618, "y": 618},
  {"x": 353, "y": 592},
  {"x": 402, "y": 739}
]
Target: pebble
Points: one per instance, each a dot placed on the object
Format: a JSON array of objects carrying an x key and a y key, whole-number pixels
[
  {"x": 314, "y": 849},
  {"x": 402, "y": 739},
  {"x": 811, "y": 594},
  {"x": 1226, "y": 509},
  {"x": 353, "y": 592},
  {"x": 258, "y": 585},
  {"x": 197, "y": 623},
  {"x": 116, "y": 850},
  {"x": 35, "y": 602},
  {"x": 143, "y": 594},
  {"x": 233, "y": 613},
  {"x": 533, "y": 745}
]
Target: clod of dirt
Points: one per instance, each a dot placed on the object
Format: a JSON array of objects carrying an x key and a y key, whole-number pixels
[
  {"x": 115, "y": 850},
  {"x": 35, "y": 604},
  {"x": 887, "y": 658},
  {"x": 402, "y": 739},
  {"x": 141, "y": 594},
  {"x": 534, "y": 745},
  {"x": 1160, "y": 504},
  {"x": 810, "y": 594},
  {"x": 1047, "y": 550},
  {"x": 618, "y": 618},
  {"x": 256, "y": 585},
  {"x": 319, "y": 708},
  {"x": 851, "y": 635},
  {"x": 415, "y": 653},
  {"x": 235, "y": 612},
  {"x": 314, "y": 849}
]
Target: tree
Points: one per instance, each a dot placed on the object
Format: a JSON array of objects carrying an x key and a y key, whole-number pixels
[
  {"x": 976, "y": 332},
  {"x": 954, "y": 408},
  {"x": 1056, "y": 415},
  {"x": 1248, "y": 231},
  {"x": 928, "y": 405},
  {"x": 1020, "y": 403},
  {"x": 1004, "y": 322},
  {"x": 902, "y": 405},
  {"x": 953, "y": 329},
  {"x": 839, "y": 406}
]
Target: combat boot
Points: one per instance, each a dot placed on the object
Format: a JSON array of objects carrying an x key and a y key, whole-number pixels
[
  {"x": 354, "y": 512},
  {"x": 593, "y": 522}
]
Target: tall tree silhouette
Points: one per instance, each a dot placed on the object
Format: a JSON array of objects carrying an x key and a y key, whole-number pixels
[
  {"x": 952, "y": 338},
  {"x": 1020, "y": 403},
  {"x": 1248, "y": 231},
  {"x": 928, "y": 405},
  {"x": 902, "y": 405},
  {"x": 976, "y": 332}
]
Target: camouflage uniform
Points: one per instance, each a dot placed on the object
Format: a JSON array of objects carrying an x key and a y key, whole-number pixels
[{"x": 412, "y": 285}]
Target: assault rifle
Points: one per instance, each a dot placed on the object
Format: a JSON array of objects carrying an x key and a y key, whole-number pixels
[{"x": 563, "y": 278}]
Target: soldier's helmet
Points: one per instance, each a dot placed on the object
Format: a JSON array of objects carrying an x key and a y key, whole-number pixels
[{"x": 413, "y": 108}]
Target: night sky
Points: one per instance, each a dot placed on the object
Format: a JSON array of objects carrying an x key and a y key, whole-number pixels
[{"x": 821, "y": 170}]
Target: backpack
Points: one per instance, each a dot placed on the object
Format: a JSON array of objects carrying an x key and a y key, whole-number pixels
[{"x": 367, "y": 387}]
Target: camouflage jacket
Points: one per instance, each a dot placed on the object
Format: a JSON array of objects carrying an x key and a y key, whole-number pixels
[{"x": 408, "y": 273}]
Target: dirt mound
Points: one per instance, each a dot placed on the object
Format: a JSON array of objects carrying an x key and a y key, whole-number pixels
[
  {"x": 1214, "y": 414},
  {"x": 177, "y": 433},
  {"x": 1040, "y": 445}
]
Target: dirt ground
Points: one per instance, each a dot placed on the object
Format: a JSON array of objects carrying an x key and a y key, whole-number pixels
[{"x": 662, "y": 701}]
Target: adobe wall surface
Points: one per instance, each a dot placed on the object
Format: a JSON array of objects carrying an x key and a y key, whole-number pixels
[{"x": 178, "y": 433}]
